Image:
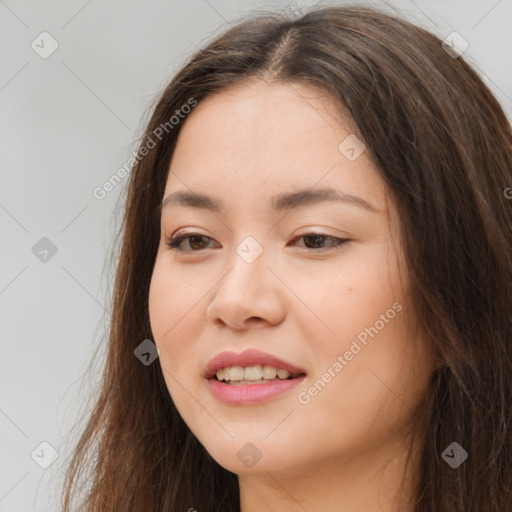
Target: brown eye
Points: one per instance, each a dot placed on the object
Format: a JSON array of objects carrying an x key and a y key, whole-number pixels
[
  {"x": 196, "y": 242},
  {"x": 316, "y": 241}
]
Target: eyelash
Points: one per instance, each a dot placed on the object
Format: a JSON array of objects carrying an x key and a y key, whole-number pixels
[{"x": 174, "y": 243}]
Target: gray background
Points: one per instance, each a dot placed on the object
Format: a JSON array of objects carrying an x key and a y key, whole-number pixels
[{"x": 68, "y": 122}]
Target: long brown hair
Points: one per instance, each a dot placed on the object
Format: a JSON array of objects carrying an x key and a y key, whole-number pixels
[{"x": 443, "y": 145}]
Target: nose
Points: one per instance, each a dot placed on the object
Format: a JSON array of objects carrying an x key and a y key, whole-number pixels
[{"x": 248, "y": 295}]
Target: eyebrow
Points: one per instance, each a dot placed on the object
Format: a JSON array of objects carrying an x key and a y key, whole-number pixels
[{"x": 286, "y": 201}]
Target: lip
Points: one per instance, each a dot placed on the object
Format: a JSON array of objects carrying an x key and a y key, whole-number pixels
[
  {"x": 250, "y": 393},
  {"x": 249, "y": 357}
]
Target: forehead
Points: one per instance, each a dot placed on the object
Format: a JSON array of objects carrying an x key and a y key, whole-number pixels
[
  {"x": 280, "y": 114},
  {"x": 260, "y": 139}
]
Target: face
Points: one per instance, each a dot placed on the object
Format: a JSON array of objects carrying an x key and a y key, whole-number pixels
[{"x": 318, "y": 283}]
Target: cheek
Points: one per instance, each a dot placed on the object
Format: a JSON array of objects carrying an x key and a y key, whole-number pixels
[
  {"x": 345, "y": 298},
  {"x": 173, "y": 318},
  {"x": 172, "y": 311},
  {"x": 365, "y": 321},
  {"x": 173, "y": 296}
]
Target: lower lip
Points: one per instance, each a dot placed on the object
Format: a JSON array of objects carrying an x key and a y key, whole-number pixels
[{"x": 250, "y": 393}]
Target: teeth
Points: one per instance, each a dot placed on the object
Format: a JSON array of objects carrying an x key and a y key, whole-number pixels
[
  {"x": 269, "y": 372},
  {"x": 252, "y": 373},
  {"x": 283, "y": 374}
]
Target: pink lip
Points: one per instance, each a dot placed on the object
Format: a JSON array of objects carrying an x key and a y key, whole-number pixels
[
  {"x": 249, "y": 357},
  {"x": 250, "y": 393}
]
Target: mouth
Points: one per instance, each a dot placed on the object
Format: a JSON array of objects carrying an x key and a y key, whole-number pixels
[
  {"x": 246, "y": 392},
  {"x": 250, "y": 365},
  {"x": 253, "y": 375},
  {"x": 250, "y": 377}
]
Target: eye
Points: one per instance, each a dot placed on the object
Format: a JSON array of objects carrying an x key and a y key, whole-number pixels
[
  {"x": 316, "y": 239},
  {"x": 193, "y": 240},
  {"x": 196, "y": 241}
]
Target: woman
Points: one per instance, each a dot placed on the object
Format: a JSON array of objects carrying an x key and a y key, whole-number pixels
[{"x": 323, "y": 198}]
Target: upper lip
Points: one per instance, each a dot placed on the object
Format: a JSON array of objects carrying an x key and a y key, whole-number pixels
[{"x": 249, "y": 357}]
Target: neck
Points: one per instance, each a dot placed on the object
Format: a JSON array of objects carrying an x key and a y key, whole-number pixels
[{"x": 376, "y": 481}]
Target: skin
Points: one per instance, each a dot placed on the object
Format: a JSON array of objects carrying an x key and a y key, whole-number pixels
[{"x": 345, "y": 449}]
